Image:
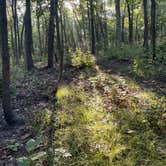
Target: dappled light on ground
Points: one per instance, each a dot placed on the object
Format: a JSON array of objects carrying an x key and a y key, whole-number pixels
[
  {"x": 108, "y": 120},
  {"x": 100, "y": 115}
]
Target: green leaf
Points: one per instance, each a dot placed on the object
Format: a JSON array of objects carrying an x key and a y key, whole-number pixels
[
  {"x": 14, "y": 147},
  {"x": 38, "y": 156},
  {"x": 32, "y": 144},
  {"x": 23, "y": 161}
]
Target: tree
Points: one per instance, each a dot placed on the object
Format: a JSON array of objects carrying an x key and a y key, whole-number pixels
[
  {"x": 146, "y": 29},
  {"x": 15, "y": 27},
  {"x": 123, "y": 23},
  {"x": 92, "y": 27},
  {"x": 28, "y": 37},
  {"x": 51, "y": 32},
  {"x": 38, "y": 15},
  {"x": 59, "y": 39},
  {"x": 8, "y": 114},
  {"x": 118, "y": 23},
  {"x": 130, "y": 7},
  {"x": 153, "y": 28}
]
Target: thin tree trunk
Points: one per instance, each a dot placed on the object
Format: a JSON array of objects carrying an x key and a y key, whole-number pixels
[
  {"x": 153, "y": 28},
  {"x": 14, "y": 15},
  {"x": 136, "y": 30},
  {"x": 22, "y": 36},
  {"x": 130, "y": 18},
  {"x": 18, "y": 39},
  {"x": 39, "y": 35},
  {"x": 59, "y": 40},
  {"x": 92, "y": 27},
  {"x": 118, "y": 24},
  {"x": 123, "y": 24},
  {"x": 146, "y": 29},
  {"x": 105, "y": 27}
]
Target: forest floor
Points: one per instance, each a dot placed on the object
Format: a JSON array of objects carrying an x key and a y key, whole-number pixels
[{"x": 114, "y": 97}]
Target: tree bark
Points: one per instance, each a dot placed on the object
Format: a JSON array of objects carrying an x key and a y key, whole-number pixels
[
  {"x": 146, "y": 29},
  {"x": 123, "y": 24},
  {"x": 8, "y": 114},
  {"x": 92, "y": 27},
  {"x": 153, "y": 28},
  {"x": 51, "y": 34},
  {"x": 28, "y": 37},
  {"x": 39, "y": 35},
  {"x": 60, "y": 39},
  {"x": 14, "y": 15},
  {"x": 22, "y": 36},
  {"x": 118, "y": 24},
  {"x": 130, "y": 18},
  {"x": 38, "y": 15}
]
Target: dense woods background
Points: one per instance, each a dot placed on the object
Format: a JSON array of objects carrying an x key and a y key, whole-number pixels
[{"x": 59, "y": 55}]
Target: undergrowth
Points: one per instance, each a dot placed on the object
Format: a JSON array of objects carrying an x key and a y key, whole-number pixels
[
  {"x": 102, "y": 121},
  {"x": 141, "y": 64},
  {"x": 106, "y": 120}
]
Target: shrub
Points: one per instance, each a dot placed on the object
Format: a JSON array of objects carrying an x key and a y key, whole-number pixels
[
  {"x": 125, "y": 53},
  {"x": 80, "y": 59}
]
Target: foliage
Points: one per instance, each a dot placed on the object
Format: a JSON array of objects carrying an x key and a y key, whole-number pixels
[
  {"x": 107, "y": 124},
  {"x": 32, "y": 144},
  {"x": 80, "y": 59},
  {"x": 140, "y": 63},
  {"x": 144, "y": 68},
  {"x": 34, "y": 156},
  {"x": 23, "y": 161},
  {"x": 34, "y": 159},
  {"x": 127, "y": 52},
  {"x": 13, "y": 145}
]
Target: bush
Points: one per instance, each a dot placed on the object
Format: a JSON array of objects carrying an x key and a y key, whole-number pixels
[
  {"x": 80, "y": 59},
  {"x": 125, "y": 53}
]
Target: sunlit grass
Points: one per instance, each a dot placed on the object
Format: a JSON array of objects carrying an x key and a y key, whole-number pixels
[
  {"x": 62, "y": 92},
  {"x": 95, "y": 135}
]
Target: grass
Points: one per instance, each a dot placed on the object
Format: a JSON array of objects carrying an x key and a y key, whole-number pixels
[{"x": 100, "y": 121}]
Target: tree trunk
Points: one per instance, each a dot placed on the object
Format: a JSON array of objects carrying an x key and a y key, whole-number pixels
[
  {"x": 146, "y": 29},
  {"x": 39, "y": 35},
  {"x": 59, "y": 40},
  {"x": 22, "y": 36},
  {"x": 92, "y": 27},
  {"x": 130, "y": 18},
  {"x": 8, "y": 114},
  {"x": 18, "y": 39},
  {"x": 123, "y": 24},
  {"x": 51, "y": 32},
  {"x": 105, "y": 27},
  {"x": 28, "y": 37},
  {"x": 153, "y": 28},
  {"x": 136, "y": 29},
  {"x": 14, "y": 15},
  {"x": 118, "y": 23}
]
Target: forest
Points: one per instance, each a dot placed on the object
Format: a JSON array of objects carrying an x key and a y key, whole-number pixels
[{"x": 82, "y": 83}]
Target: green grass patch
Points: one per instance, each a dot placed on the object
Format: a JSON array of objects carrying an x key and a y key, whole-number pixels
[{"x": 106, "y": 123}]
